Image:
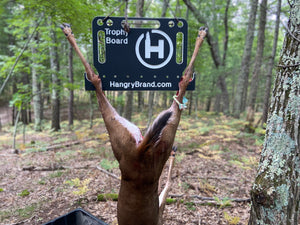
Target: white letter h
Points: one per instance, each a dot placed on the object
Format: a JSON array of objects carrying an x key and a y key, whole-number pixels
[{"x": 149, "y": 48}]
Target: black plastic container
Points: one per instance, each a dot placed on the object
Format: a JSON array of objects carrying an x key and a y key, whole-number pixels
[{"x": 76, "y": 217}]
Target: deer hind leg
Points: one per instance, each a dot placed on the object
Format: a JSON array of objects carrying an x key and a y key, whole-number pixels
[{"x": 164, "y": 194}]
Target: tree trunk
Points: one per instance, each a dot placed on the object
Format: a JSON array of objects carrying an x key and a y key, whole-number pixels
[
  {"x": 15, "y": 128},
  {"x": 275, "y": 194},
  {"x": 270, "y": 66},
  {"x": 225, "y": 45},
  {"x": 215, "y": 53},
  {"x": 208, "y": 104},
  {"x": 25, "y": 102},
  {"x": 24, "y": 117},
  {"x": 54, "y": 64},
  {"x": 140, "y": 101},
  {"x": 217, "y": 103},
  {"x": 242, "y": 84},
  {"x": 165, "y": 99},
  {"x": 258, "y": 61},
  {"x": 129, "y": 105},
  {"x": 36, "y": 89},
  {"x": 71, "y": 80},
  {"x": 150, "y": 107},
  {"x": 191, "y": 102},
  {"x": 164, "y": 8},
  {"x": 120, "y": 103},
  {"x": 225, "y": 97},
  {"x": 91, "y": 111}
]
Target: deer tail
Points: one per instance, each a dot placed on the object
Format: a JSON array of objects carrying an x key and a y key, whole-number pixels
[{"x": 153, "y": 134}]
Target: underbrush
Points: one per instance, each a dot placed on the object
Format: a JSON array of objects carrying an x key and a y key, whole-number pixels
[{"x": 57, "y": 171}]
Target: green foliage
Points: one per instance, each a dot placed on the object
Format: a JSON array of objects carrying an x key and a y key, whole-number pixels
[
  {"x": 24, "y": 193},
  {"x": 88, "y": 152},
  {"x": 214, "y": 147},
  {"x": 179, "y": 157},
  {"x": 24, "y": 213},
  {"x": 223, "y": 202},
  {"x": 27, "y": 211},
  {"x": 81, "y": 186},
  {"x": 66, "y": 153},
  {"x": 250, "y": 161},
  {"x": 190, "y": 206},
  {"x": 259, "y": 141},
  {"x": 56, "y": 174},
  {"x": 121, "y": 100},
  {"x": 1, "y": 189},
  {"x": 42, "y": 181},
  {"x": 37, "y": 148},
  {"x": 22, "y": 97},
  {"x": 170, "y": 201},
  {"x": 19, "y": 19},
  {"x": 60, "y": 139},
  {"x": 231, "y": 220},
  {"x": 239, "y": 164},
  {"x": 71, "y": 86},
  {"x": 108, "y": 164},
  {"x": 106, "y": 197}
]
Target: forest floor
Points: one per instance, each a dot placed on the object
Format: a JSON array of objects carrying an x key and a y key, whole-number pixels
[{"x": 52, "y": 173}]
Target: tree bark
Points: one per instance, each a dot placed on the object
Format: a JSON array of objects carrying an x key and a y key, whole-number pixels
[
  {"x": 225, "y": 45},
  {"x": 120, "y": 103},
  {"x": 164, "y": 99},
  {"x": 164, "y": 8},
  {"x": 140, "y": 101},
  {"x": 129, "y": 105},
  {"x": 270, "y": 66},
  {"x": 258, "y": 61},
  {"x": 25, "y": 101},
  {"x": 36, "y": 89},
  {"x": 150, "y": 107},
  {"x": 242, "y": 84},
  {"x": 54, "y": 64},
  {"x": 225, "y": 98},
  {"x": 191, "y": 102},
  {"x": 275, "y": 194}
]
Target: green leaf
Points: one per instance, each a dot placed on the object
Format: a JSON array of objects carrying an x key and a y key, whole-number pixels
[{"x": 24, "y": 193}]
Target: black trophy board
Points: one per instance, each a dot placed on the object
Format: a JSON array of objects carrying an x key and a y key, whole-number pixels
[{"x": 151, "y": 56}]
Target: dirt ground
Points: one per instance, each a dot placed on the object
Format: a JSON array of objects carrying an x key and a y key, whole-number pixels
[{"x": 52, "y": 173}]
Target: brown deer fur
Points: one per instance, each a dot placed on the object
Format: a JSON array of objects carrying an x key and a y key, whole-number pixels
[{"x": 141, "y": 160}]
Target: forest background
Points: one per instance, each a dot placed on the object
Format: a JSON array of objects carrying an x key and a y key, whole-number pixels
[
  {"x": 229, "y": 79},
  {"x": 41, "y": 86}
]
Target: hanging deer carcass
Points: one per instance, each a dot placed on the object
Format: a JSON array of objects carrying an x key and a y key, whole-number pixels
[{"x": 141, "y": 159}]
